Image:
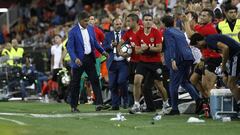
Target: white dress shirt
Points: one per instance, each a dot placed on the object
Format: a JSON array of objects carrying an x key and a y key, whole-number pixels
[
  {"x": 86, "y": 40},
  {"x": 117, "y": 58},
  {"x": 56, "y": 52}
]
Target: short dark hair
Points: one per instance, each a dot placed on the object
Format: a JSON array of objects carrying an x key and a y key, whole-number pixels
[
  {"x": 147, "y": 15},
  {"x": 134, "y": 17},
  {"x": 168, "y": 10},
  {"x": 230, "y": 7},
  {"x": 83, "y": 15},
  {"x": 210, "y": 12},
  {"x": 168, "y": 21},
  {"x": 195, "y": 38}
]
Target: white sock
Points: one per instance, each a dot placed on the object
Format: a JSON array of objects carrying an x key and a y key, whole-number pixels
[
  {"x": 165, "y": 102},
  {"x": 136, "y": 103}
]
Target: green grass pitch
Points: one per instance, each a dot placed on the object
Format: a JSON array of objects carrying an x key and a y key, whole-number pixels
[{"x": 89, "y": 122}]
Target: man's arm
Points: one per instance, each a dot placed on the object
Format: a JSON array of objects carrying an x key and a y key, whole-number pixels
[
  {"x": 157, "y": 48},
  {"x": 107, "y": 43},
  {"x": 187, "y": 27},
  {"x": 52, "y": 58},
  {"x": 170, "y": 41},
  {"x": 225, "y": 54},
  {"x": 99, "y": 48},
  {"x": 70, "y": 46},
  {"x": 96, "y": 44},
  {"x": 142, "y": 48}
]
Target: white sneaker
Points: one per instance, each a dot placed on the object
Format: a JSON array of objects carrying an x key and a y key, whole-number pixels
[
  {"x": 143, "y": 106},
  {"x": 166, "y": 107},
  {"x": 135, "y": 109},
  {"x": 46, "y": 99}
]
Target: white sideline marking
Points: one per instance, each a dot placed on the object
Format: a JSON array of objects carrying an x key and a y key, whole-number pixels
[
  {"x": 59, "y": 115},
  {"x": 14, "y": 121},
  {"x": 13, "y": 114}
]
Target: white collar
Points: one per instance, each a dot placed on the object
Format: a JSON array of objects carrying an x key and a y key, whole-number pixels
[
  {"x": 81, "y": 28},
  {"x": 116, "y": 32}
]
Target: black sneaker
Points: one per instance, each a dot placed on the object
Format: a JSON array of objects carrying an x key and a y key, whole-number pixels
[
  {"x": 125, "y": 106},
  {"x": 114, "y": 108},
  {"x": 102, "y": 107},
  {"x": 173, "y": 112},
  {"x": 74, "y": 110},
  {"x": 199, "y": 106}
]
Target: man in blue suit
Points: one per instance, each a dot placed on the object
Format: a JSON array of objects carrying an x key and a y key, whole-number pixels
[
  {"x": 117, "y": 66},
  {"x": 178, "y": 58},
  {"x": 81, "y": 44}
]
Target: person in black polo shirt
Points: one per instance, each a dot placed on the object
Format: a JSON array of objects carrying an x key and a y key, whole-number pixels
[{"x": 230, "y": 50}]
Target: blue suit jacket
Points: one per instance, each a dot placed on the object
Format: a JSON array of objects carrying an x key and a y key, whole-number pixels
[
  {"x": 75, "y": 44},
  {"x": 176, "y": 47},
  {"x": 109, "y": 37}
]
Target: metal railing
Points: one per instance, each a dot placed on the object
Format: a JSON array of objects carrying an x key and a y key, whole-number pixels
[{"x": 10, "y": 17}]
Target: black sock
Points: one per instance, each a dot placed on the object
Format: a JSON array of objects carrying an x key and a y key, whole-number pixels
[{"x": 206, "y": 100}]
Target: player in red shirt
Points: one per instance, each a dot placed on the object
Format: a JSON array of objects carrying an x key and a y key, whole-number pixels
[
  {"x": 130, "y": 35},
  {"x": 149, "y": 68},
  {"x": 211, "y": 58}
]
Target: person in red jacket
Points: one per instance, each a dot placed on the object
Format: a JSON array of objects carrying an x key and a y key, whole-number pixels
[{"x": 100, "y": 38}]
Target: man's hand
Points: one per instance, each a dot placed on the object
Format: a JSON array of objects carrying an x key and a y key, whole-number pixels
[
  {"x": 78, "y": 62},
  {"x": 174, "y": 65},
  {"x": 114, "y": 44},
  {"x": 105, "y": 54},
  {"x": 125, "y": 55},
  {"x": 185, "y": 18},
  {"x": 144, "y": 47}
]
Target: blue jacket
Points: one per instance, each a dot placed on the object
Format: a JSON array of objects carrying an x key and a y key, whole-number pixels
[
  {"x": 109, "y": 37},
  {"x": 176, "y": 47},
  {"x": 75, "y": 46}
]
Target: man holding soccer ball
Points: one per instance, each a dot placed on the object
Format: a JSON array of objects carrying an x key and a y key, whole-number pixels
[{"x": 117, "y": 66}]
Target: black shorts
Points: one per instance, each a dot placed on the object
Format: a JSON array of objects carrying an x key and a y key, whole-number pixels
[
  {"x": 155, "y": 68},
  {"x": 233, "y": 67},
  {"x": 55, "y": 76},
  {"x": 211, "y": 64},
  {"x": 132, "y": 71}
]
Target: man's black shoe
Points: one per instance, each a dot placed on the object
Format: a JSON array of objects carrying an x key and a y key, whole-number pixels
[
  {"x": 125, "y": 106},
  {"x": 102, "y": 107},
  {"x": 199, "y": 106},
  {"x": 173, "y": 112},
  {"x": 75, "y": 110},
  {"x": 114, "y": 108}
]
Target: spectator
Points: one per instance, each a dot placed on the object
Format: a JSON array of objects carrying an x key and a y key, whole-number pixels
[
  {"x": 56, "y": 53},
  {"x": 231, "y": 25}
]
